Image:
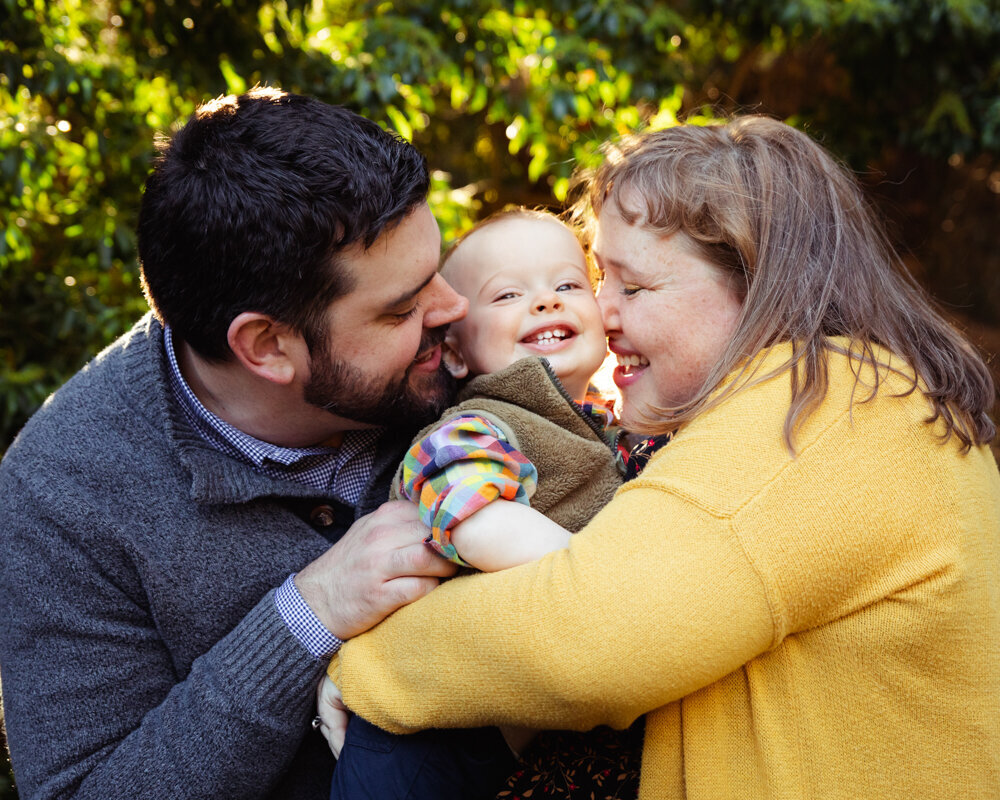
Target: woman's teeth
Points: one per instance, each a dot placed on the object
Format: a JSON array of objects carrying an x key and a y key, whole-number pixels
[{"x": 632, "y": 362}]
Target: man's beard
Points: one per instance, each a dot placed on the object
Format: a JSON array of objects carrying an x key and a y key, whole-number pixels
[{"x": 338, "y": 387}]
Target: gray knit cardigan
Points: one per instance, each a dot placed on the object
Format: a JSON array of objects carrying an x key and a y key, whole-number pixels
[{"x": 141, "y": 654}]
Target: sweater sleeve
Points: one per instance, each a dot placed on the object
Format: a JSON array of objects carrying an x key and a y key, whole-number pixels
[
  {"x": 672, "y": 604},
  {"x": 95, "y": 707},
  {"x": 454, "y": 471},
  {"x": 722, "y": 549}
]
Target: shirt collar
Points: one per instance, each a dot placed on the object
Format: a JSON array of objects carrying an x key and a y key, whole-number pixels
[{"x": 319, "y": 466}]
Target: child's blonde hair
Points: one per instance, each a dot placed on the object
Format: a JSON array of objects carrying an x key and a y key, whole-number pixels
[{"x": 522, "y": 212}]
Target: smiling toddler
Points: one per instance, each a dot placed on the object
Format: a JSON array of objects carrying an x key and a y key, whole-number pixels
[
  {"x": 526, "y": 428},
  {"x": 525, "y": 276}
]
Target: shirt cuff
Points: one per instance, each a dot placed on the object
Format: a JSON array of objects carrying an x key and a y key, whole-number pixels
[{"x": 303, "y": 622}]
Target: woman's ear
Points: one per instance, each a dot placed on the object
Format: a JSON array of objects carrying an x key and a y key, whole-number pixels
[
  {"x": 453, "y": 360},
  {"x": 267, "y": 348}
]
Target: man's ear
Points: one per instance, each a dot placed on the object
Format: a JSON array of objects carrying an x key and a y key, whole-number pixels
[
  {"x": 453, "y": 360},
  {"x": 267, "y": 348}
]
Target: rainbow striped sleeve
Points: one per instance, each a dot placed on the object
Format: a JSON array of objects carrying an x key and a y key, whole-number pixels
[{"x": 459, "y": 468}]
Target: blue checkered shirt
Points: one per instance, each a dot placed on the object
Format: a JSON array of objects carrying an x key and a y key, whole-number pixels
[{"x": 341, "y": 472}]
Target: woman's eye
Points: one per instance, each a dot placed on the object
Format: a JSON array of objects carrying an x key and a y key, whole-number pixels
[{"x": 630, "y": 289}]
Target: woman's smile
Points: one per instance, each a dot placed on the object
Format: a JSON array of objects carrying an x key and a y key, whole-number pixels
[{"x": 630, "y": 367}]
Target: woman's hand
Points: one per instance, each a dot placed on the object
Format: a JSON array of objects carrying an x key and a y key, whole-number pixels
[{"x": 333, "y": 715}]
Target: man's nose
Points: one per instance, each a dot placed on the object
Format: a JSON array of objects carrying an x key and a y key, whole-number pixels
[{"x": 446, "y": 305}]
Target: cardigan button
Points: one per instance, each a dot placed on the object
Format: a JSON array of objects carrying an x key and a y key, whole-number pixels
[{"x": 322, "y": 516}]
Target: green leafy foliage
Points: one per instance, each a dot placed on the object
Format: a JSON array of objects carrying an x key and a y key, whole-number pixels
[
  {"x": 919, "y": 74},
  {"x": 507, "y": 99}
]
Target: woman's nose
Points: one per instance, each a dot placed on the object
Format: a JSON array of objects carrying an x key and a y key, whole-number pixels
[{"x": 609, "y": 309}]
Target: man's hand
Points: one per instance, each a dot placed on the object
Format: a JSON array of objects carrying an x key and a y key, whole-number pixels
[
  {"x": 380, "y": 564},
  {"x": 333, "y": 715}
]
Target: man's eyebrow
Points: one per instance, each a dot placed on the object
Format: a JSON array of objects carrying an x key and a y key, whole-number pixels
[{"x": 407, "y": 296}]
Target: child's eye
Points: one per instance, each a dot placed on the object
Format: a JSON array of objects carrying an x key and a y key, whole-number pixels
[
  {"x": 504, "y": 296},
  {"x": 567, "y": 287}
]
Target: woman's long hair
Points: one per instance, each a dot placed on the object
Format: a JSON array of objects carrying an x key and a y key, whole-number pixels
[{"x": 764, "y": 201}]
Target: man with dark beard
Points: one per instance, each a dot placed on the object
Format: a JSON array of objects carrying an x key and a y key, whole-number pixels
[{"x": 192, "y": 525}]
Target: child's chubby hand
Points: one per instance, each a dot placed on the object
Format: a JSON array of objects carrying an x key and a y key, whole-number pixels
[
  {"x": 504, "y": 534},
  {"x": 333, "y": 714}
]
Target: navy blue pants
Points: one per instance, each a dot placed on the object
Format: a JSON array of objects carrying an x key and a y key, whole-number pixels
[{"x": 436, "y": 764}]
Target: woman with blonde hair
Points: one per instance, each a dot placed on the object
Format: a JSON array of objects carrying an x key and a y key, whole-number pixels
[{"x": 801, "y": 591}]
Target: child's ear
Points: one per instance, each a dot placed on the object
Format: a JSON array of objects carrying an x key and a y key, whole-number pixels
[{"x": 453, "y": 360}]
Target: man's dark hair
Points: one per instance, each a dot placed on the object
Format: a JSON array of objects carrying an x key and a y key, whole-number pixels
[{"x": 250, "y": 202}]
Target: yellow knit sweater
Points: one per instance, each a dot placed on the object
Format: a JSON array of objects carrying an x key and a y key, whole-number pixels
[{"x": 823, "y": 626}]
